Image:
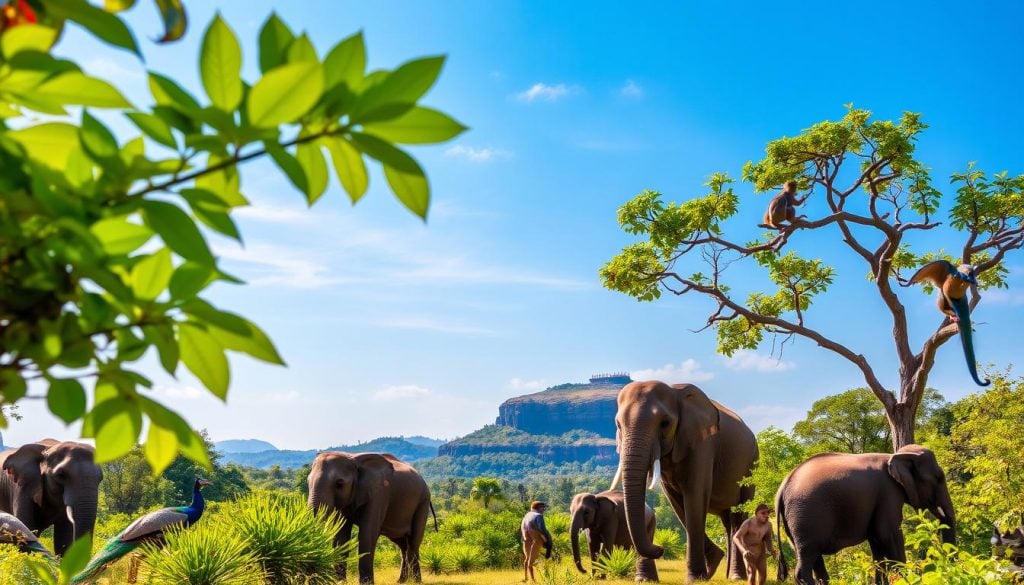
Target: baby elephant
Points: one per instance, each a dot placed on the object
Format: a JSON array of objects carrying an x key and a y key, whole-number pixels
[
  {"x": 603, "y": 516},
  {"x": 836, "y": 500}
]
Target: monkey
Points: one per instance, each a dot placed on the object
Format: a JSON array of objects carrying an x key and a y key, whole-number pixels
[
  {"x": 782, "y": 207},
  {"x": 953, "y": 282}
]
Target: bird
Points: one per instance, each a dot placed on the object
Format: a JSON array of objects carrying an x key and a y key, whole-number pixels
[
  {"x": 13, "y": 531},
  {"x": 952, "y": 283},
  {"x": 147, "y": 528}
]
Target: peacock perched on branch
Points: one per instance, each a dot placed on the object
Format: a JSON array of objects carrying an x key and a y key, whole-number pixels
[
  {"x": 13, "y": 531},
  {"x": 148, "y": 528}
]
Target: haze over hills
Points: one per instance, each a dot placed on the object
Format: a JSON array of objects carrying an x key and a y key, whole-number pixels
[{"x": 565, "y": 428}]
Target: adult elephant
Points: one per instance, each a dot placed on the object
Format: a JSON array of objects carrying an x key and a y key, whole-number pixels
[
  {"x": 836, "y": 500},
  {"x": 51, "y": 483},
  {"x": 379, "y": 494},
  {"x": 603, "y": 516},
  {"x": 700, "y": 450}
]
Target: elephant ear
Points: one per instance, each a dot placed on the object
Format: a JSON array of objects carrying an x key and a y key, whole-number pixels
[
  {"x": 902, "y": 469},
  {"x": 698, "y": 420},
  {"x": 23, "y": 465},
  {"x": 375, "y": 474},
  {"x": 605, "y": 510}
]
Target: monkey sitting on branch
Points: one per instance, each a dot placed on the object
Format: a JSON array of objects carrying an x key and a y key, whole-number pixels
[{"x": 782, "y": 207}]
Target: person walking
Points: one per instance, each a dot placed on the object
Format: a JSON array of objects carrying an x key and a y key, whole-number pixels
[{"x": 535, "y": 535}]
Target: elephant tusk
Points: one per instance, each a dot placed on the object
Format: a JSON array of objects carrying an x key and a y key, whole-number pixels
[
  {"x": 940, "y": 512},
  {"x": 618, "y": 476},
  {"x": 656, "y": 475},
  {"x": 71, "y": 515}
]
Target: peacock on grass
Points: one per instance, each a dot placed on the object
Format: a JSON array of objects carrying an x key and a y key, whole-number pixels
[
  {"x": 13, "y": 531},
  {"x": 148, "y": 528}
]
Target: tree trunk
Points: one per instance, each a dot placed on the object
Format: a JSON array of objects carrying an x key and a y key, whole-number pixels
[{"x": 901, "y": 422}]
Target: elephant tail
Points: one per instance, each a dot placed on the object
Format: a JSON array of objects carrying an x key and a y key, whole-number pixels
[
  {"x": 963, "y": 314},
  {"x": 434, "y": 514},
  {"x": 781, "y": 569}
]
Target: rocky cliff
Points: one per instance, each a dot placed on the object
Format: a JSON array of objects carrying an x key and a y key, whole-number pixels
[
  {"x": 572, "y": 446},
  {"x": 557, "y": 410}
]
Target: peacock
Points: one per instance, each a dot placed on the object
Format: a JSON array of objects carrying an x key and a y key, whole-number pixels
[
  {"x": 13, "y": 531},
  {"x": 148, "y": 528}
]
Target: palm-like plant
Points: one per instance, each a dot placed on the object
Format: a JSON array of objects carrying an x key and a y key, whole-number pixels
[
  {"x": 487, "y": 489},
  {"x": 209, "y": 554},
  {"x": 617, "y": 563}
]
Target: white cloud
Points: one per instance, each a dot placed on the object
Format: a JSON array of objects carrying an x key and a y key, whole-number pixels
[
  {"x": 272, "y": 265},
  {"x": 761, "y": 416},
  {"x": 746, "y": 359},
  {"x": 477, "y": 155},
  {"x": 519, "y": 384},
  {"x": 688, "y": 371},
  {"x": 430, "y": 324},
  {"x": 631, "y": 90},
  {"x": 1004, "y": 297},
  {"x": 186, "y": 391},
  {"x": 546, "y": 93},
  {"x": 402, "y": 392},
  {"x": 270, "y": 213}
]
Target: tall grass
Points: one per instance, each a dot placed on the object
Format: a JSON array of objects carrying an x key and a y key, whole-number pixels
[
  {"x": 290, "y": 542},
  {"x": 670, "y": 540},
  {"x": 14, "y": 566},
  {"x": 617, "y": 563},
  {"x": 209, "y": 553}
]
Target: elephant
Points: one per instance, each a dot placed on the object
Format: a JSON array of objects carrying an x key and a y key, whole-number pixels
[
  {"x": 379, "y": 494},
  {"x": 51, "y": 483},
  {"x": 603, "y": 516},
  {"x": 700, "y": 450},
  {"x": 835, "y": 500}
]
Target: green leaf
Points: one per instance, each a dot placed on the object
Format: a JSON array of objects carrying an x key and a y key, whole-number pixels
[
  {"x": 77, "y": 88},
  {"x": 119, "y": 236},
  {"x": 204, "y": 357},
  {"x": 302, "y": 50},
  {"x": 349, "y": 166},
  {"x": 220, "y": 66},
  {"x": 384, "y": 152},
  {"x": 49, "y": 144},
  {"x": 411, "y": 188},
  {"x": 404, "y": 85},
  {"x": 99, "y": 143},
  {"x": 417, "y": 126},
  {"x": 190, "y": 444},
  {"x": 235, "y": 332},
  {"x": 189, "y": 279},
  {"x": 160, "y": 448},
  {"x": 151, "y": 275},
  {"x": 285, "y": 93},
  {"x": 66, "y": 399},
  {"x": 101, "y": 23},
  {"x": 275, "y": 36},
  {"x": 154, "y": 127},
  {"x": 168, "y": 93},
  {"x": 178, "y": 231},
  {"x": 288, "y": 164},
  {"x": 76, "y": 557},
  {"x": 346, "y": 63},
  {"x": 175, "y": 20},
  {"x": 311, "y": 159},
  {"x": 116, "y": 424},
  {"x": 212, "y": 211},
  {"x": 162, "y": 336},
  {"x": 27, "y": 37},
  {"x": 117, "y": 5}
]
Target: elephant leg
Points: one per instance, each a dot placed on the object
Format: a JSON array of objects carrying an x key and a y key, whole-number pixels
[
  {"x": 735, "y": 567},
  {"x": 693, "y": 522},
  {"x": 820, "y": 572},
  {"x": 885, "y": 551},
  {"x": 806, "y": 559},
  {"x": 596, "y": 546},
  {"x": 712, "y": 556},
  {"x": 342, "y": 537},
  {"x": 419, "y": 527},
  {"x": 646, "y": 570},
  {"x": 367, "y": 550},
  {"x": 63, "y": 535},
  {"x": 403, "y": 547}
]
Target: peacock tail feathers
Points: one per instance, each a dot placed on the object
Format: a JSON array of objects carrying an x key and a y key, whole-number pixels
[
  {"x": 37, "y": 546},
  {"x": 113, "y": 550}
]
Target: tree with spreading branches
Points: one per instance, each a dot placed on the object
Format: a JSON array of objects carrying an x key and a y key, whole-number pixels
[{"x": 877, "y": 197}]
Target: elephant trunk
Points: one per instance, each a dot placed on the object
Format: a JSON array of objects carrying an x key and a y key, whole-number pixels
[
  {"x": 574, "y": 536},
  {"x": 82, "y": 514},
  {"x": 943, "y": 510},
  {"x": 637, "y": 460}
]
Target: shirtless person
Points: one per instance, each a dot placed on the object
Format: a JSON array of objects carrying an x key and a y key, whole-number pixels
[
  {"x": 754, "y": 540},
  {"x": 535, "y": 535}
]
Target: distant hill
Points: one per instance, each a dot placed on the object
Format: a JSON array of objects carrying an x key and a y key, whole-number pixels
[
  {"x": 563, "y": 408},
  {"x": 243, "y": 446},
  {"x": 403, "y": 448}
]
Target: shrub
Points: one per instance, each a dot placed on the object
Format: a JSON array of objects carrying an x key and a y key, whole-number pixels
[
  {"x": 209, "y": 553},
  {"x": 433, "y": 560},
  {"x": 618, "y": 563},
  {"x": 288, "y": 539},
  {"x": 670, "y": 540},
  {"x": 944, "y": 563},
  {"x": 457, "y": 524},
  {"x": 555, "y": 574},
  {"x": 465, "y": 557},
  {"x": 14, "y": 566}
]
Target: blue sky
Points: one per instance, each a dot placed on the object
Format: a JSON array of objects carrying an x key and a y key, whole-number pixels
[{"x": 391, "y": 326}]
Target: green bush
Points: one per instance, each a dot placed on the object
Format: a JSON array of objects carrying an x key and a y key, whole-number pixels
[
  {"x": 670, "y": 540},
  {"x": 288, "y": 539},
  {"x": 944, "y": 563},
  {"x": 209, "y": 553},
  {"x": 433, "y": 560},
  {"x": 14, "y": 566},
  {"x": 618, "y": 563},
  {"x": 465, "y": 557}
]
